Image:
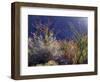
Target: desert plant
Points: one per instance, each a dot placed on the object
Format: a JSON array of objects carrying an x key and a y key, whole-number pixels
[
  {"x": 42, "y": 48},
  {"x": 81, "y": 40}
]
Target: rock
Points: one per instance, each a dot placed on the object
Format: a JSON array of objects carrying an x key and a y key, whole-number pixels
[{"x": 52, "y": 62}]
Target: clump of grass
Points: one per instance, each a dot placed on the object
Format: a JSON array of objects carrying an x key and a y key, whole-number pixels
[{"x": 81, "y": 41}]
